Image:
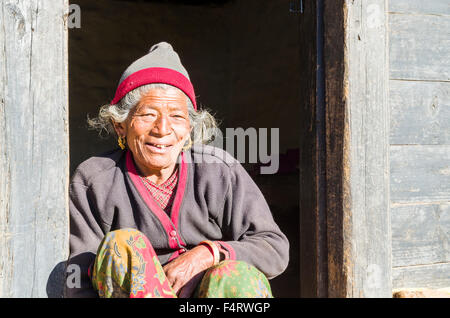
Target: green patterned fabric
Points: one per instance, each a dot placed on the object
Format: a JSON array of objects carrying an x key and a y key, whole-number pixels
[
  {"x": 233, "y": 279},
  {"x": 127, "y": 266}
]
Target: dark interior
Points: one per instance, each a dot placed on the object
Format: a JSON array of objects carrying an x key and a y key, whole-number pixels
[{"x": 243, "y": 60}]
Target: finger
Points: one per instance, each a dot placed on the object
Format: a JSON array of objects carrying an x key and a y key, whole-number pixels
[
  {"x": 177, "y": 286},
  {"x": 170, "y": 278},
  {"x": 179, "y": 283}
]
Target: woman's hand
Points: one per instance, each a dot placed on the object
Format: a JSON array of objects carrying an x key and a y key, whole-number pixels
[{"x": 186, "y": 266}]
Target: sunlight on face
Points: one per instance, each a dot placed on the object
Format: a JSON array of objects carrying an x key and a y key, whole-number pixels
[{"x": 157, "y": 128}]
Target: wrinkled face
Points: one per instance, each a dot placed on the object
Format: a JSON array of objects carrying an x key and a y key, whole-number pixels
[{"x": 157, "y": 129}]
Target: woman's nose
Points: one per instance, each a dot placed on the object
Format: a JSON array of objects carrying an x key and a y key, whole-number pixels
[{"x": 162, "y": 125}]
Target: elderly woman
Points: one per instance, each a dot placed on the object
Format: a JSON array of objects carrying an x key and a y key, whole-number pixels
[{"x": 167, "y": 215}]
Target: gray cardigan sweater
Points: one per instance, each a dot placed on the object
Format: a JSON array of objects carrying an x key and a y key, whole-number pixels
[{"x": 215, "y": 200}]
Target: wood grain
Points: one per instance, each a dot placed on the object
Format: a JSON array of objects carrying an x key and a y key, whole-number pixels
[
  {"x": 312, "y": 273},
  {"x": 34, "y": 145},
  {"x": 335, "y": 14},
  {"x": 428, "y": 276},
  {"x": 420, "y": 113},
  {"x": 368, "y": 120},
  {"x": 359, "y": 240},
  {"x": 420, "y": 234},
  {"x": 419, "y": 47},
  {"x": 420, "y": 173},
  {"x": 437, "y": 7},
  {"x": 420, "y": 137}
]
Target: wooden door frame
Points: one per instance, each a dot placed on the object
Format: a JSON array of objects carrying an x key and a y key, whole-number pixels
[
  {"x": 34, "y": 143},
  {"x": 345, "y": 238}
]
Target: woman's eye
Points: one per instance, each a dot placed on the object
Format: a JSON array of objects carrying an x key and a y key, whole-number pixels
[{"x": 146, "y": 115}]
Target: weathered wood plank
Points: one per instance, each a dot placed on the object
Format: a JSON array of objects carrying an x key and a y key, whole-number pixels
[
  {"x": 419, "y": 47},
  {"x": 337, "y": 219},
  {"x": 438, "y": 7},
  {"x": 428, "y": 276},
  {"x": 359, "y": 239},
  {"x": 312, "y": 270},
  {"x": 420, "y": 112},
  {"x": 368, "y": 148},
  {"x": 34, "y": 145},
  {"x": 420, "y": 234},
  {"x": 420, "y": 173}
]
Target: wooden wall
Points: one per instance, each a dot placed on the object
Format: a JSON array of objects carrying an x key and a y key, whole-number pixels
[
  {"x": 419, "y": 35},
  {"x": 34, "y": 147}
]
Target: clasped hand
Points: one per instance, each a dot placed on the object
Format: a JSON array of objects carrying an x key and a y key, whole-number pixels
[{"x": 186, "y": 271}]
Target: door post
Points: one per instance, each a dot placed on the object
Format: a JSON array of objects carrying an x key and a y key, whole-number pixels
[
  {"x": 34, "y": 147},
  {"x": 357, "y": 148}
]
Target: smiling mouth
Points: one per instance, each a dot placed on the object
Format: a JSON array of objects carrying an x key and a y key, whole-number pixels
[{"x": 160, "y": 148}]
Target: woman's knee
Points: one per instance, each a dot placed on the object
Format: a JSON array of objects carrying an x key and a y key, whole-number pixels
[
  {"x": 235, "y": 268},
  {"x": 120, "y": 236},
  {"x": 233, "y": 278}
]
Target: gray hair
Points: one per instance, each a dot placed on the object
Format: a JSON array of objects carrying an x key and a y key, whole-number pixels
[{"x": 203, "y": 124}]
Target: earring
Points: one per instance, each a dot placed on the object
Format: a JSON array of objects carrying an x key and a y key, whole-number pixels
[
  {"x": 121, "y": 141},
  {"x": 189, "y": 145}
]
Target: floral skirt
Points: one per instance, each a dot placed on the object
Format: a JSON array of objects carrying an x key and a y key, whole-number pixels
[{"x": 126, "y": 265}]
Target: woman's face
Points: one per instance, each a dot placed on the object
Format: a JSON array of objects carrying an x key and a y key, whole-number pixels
[{"x": 156, "y": 129}]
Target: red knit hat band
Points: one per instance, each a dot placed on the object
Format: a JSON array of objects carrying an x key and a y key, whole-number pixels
[{"x": 155, "y": 75}]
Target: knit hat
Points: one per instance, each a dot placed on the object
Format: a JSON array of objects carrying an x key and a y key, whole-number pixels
[{"x": 161, "y": 65}]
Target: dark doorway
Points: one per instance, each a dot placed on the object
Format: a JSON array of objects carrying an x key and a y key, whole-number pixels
[{"x": 244, "y": 59}]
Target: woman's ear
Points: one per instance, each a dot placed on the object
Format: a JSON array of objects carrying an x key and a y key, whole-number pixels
[{"x": 120, "y": 129}]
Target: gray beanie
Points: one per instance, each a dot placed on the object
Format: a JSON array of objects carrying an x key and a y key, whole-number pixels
[{"x": 161, "y": 65}]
